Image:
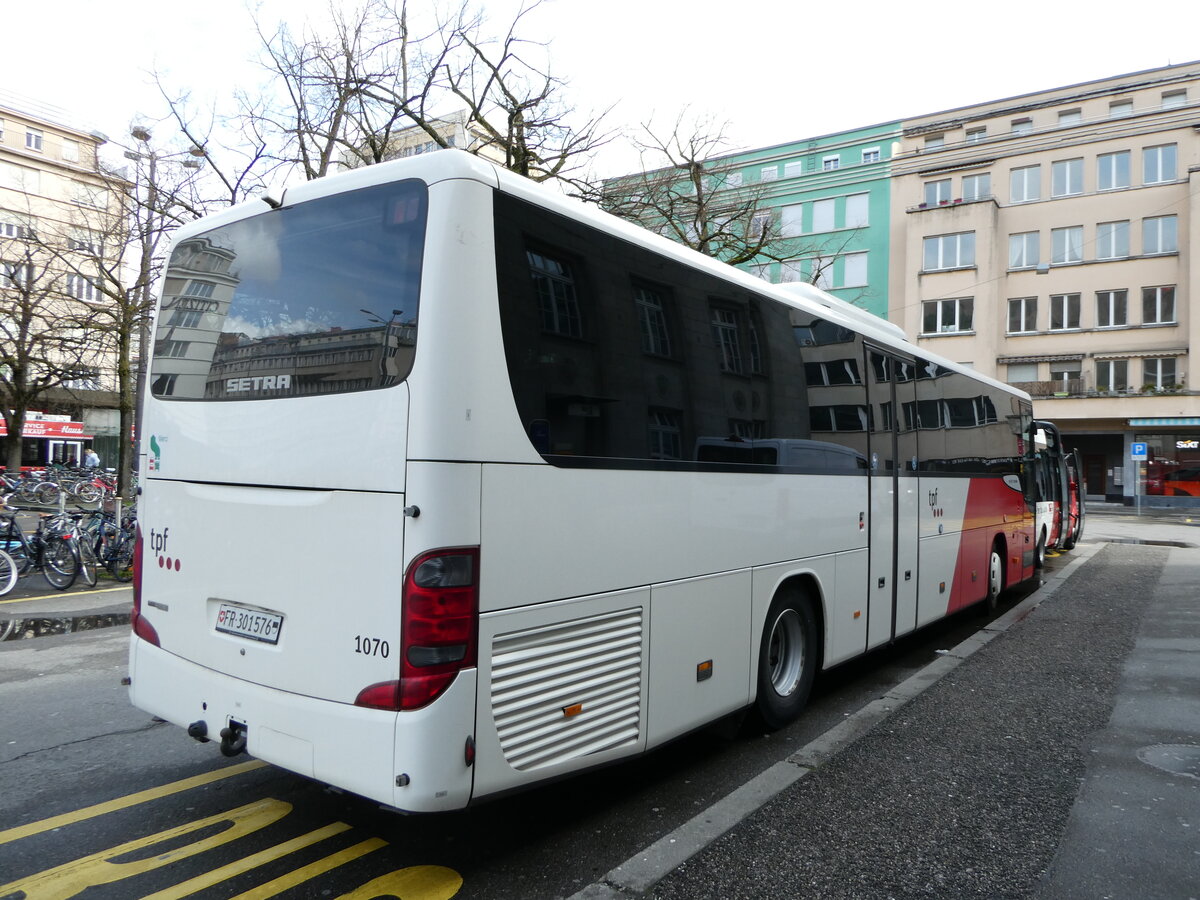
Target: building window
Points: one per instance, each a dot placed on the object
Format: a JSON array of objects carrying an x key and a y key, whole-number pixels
[
  {"x": 555, "y": 286},
  {"x": 768, "y": 173},
  {"x": 793, "y": 169},
  {"x": 185, "y": 318},
  {"x": 1158, "y": 164},
  {"x": 948, "y": 316},
  {"x": 1024, "y": 250},
  {"x": 1064, "y": 312},
  {"x": 16, "y": 275},
  {"x": 665, "y": 433},
  {"x": 653, "y": 317},
  {"x": 34, "y": 139},
  {"x": 171, "y": 349},
  {"x": 1066, "y": 177},
  {"x": 1120, "y": 108},
  {"x": 1159, "y": 372},
  {"x": 1112, "y": 240},
  {"x": 1069, "y": 117},
  {"x": 823, "y": 215},
  {"x": 791, "y": 220},
  {"x": 725, "y": 332},
  {"x": 829, "y": 163},
  {"x": 1, "y": 129},
  {"x": 937, "y": 192},
  {"x": 935, "y": 140},
  {"x": 1065, "y": 371},
  {"x": 1025, "y": 184},
  {"x": 870, "y": 155},
  {"x": 854, "y": 270},
  {"x": 1112, "y": 375},
  {"x": 1066, "y": 245},
  {"x": 858, "y": 211},
  {"x": 1110, "y": 309},
  {"x": 1022, "y": 126},
  {"x": 977, "y": 187},
  {"x": 83, "y": 379},
  {"x": 950, "y": 251},
  {"x": 70, "y": 150},
  {"x": 85, "y": 241},
  {"x": 82, "y": 288},
  {"x": 1160, "y": 234},
  {"x": 1158, "y": 305},
  {"x": 1022, "y": 373},
  {"x": 1022, "y": 316},
  {"x": 975, "y": 135},
  {"x": 1174, "y": 99},
  {"x": 1113, "y": 171},
  {"x": 17, "y": 228},
  {"x": 759, "y": 223}
]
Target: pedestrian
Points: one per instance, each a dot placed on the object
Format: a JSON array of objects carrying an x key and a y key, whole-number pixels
[{"x": 91, "y": 459}]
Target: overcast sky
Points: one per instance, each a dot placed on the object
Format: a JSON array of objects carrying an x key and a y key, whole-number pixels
[{"x": 777, "y": 70}]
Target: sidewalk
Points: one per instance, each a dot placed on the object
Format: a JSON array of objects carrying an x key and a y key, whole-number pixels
[{"x": 1055, "y": 754}]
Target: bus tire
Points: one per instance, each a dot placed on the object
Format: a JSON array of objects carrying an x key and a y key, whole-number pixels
[
  {"x": 995, "y": 575},
  {"x": 787, "y": 659},
  {"x": 1039, "y": 555}
]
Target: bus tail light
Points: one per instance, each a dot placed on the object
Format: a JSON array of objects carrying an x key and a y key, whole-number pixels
[
  {"x": 141, "y": 626},
  {"x": 439, "y": 629}
]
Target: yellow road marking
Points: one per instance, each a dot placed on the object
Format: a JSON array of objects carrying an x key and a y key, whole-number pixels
[
  {"x": 106, "y": 867},
  {"x": 246, "y": 863},
  {"x": 58, "y": 595},
  {"x": 312, "y": 870},
  {"x": 100, "y": 809}
]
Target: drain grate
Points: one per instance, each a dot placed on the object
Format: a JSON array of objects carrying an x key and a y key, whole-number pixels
[{"x": 1178, "y": 759}]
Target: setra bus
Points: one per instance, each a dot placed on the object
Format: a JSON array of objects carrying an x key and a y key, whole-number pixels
[{"x": 455, "y": 485}]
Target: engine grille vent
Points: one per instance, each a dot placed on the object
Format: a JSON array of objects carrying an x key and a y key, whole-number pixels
[{"x": 568, "y": 690}]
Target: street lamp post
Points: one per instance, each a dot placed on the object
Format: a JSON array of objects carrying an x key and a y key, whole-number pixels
[{"x": 152, "y": 224}]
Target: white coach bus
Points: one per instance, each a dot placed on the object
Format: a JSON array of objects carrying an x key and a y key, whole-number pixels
[{"x": 455, "y": 485}]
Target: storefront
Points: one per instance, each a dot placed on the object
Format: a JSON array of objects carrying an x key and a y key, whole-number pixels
[
  {"x": 50, "y": 439},
  {"x": 1171, "y": 473}
]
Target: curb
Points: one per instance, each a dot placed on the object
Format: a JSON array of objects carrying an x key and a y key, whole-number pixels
[
  {"x": 638, "y": 874},
  {"x": 19, "y": 628}
]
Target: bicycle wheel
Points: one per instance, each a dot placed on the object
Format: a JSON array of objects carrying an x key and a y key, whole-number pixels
[
  {"x": 47, "y": 493},
  {"x": 8, "y": 573},
  {"x": 86, "y": 492},
  {"x": 120, "y": 561},
  {"x": 60, "y": 562},
  {"x": 89, "y": 566}
]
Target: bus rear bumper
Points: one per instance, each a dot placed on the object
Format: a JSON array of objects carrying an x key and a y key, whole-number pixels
[{"x": 413, "y": 761}]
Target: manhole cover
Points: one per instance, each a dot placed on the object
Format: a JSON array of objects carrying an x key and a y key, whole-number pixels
[{"x": 1178, "y": 759}]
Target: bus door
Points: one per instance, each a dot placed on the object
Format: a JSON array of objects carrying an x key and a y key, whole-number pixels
[{"x": 893, "y": 462}]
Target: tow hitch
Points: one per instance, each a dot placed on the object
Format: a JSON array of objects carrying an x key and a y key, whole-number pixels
[{"x": 233, "y": 738}]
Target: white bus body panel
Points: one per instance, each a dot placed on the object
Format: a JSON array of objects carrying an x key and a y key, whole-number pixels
[{"x": 360, "y": 750}]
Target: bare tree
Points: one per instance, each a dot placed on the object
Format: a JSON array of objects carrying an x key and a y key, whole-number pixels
[
  {"x": 366, "y": 84},
  {"x": 693, "y": 192},
  {"x": 43, "y": 344}
]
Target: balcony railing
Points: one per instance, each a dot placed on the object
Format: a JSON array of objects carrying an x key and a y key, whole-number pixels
[{"x": 1079, "y": 387}]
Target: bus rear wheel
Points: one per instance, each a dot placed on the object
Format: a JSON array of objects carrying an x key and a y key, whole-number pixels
[
  {"x": 787, "y": 659},
  {"x": 995, "y": 582}
]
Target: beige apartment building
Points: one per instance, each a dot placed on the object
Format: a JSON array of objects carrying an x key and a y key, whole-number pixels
[
  {"x": 1046, "y": 241},
  {"x": 54, "y": 205}
]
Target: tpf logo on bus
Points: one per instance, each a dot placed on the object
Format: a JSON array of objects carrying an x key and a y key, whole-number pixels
[{"x": 937, "y": 511}]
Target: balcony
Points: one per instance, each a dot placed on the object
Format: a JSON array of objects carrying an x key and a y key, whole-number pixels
[{"x": 1080, "y": 387}]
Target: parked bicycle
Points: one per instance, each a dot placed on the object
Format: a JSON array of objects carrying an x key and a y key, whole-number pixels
[{"x": 49, "y": 549}]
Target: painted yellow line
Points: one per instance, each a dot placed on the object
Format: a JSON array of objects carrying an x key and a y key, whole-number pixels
[
  {"x": 312, "y": 870},
  {"x": 245, "y": 864},
  {"x": 100, "y": 809},
  {"x": 58, "y": 595}
]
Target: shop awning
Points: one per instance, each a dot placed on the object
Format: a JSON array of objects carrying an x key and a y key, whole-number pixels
[
  {"x": 1144, "y": 354},
  {"x": 39, "y": 428},
  {"x": 1052, "y": 357},
  {"x": 1146, "y": 423}
]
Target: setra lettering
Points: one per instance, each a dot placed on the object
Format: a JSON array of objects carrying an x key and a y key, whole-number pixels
[{"x": 258, "y": 383}]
